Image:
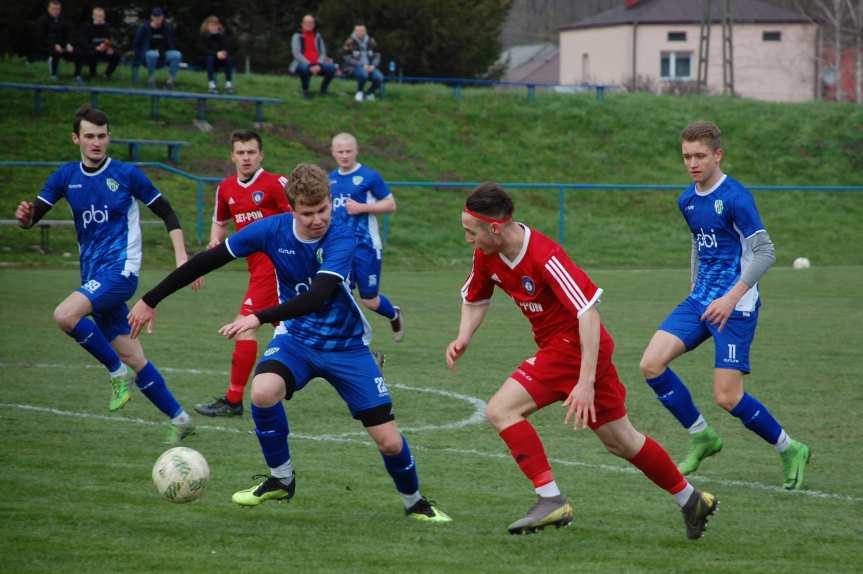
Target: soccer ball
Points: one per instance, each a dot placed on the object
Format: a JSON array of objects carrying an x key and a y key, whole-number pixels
[
  {"x": 801, "y": 263},
  {"x": 181, "y": 474}
]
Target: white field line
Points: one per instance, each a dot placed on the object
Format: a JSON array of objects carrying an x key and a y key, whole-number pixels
[{"x": 478, "y": 414}]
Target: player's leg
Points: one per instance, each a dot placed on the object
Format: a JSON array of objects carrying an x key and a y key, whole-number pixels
[
  {"x": 507, "y": 411},
  {"x": 148, "y": 379},
  {"x": 680, "y": 332},
  {"x": 733, "y": 344},
  {"x": 71, "y": 316},
  {"x": 367, "y": 273},
  {"x": 284, "y": 371},
  {"x": 355, "y": 375}
]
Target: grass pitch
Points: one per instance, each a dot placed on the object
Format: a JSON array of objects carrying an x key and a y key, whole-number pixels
[{"x": 76, "y": 486}]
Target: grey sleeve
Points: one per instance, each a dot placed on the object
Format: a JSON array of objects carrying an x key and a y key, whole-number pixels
[
  {"x": 322, "y": 48},
  {"x": 297, "y": 50},
  {"x": 762, "y": 257},
  {"x": 693, "y": 262}
]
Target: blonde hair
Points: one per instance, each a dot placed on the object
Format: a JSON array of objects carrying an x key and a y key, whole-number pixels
[
  {"x": 308, "y": 184},
  {"x": 206, "y": 23},
  {"x": 345, "y": 137},
  {"x": 705, "y": 132}
]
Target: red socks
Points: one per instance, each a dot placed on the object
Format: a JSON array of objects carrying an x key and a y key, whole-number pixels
[
  {"x": 654, "y": 462},
  {"x": 242, "y": 363},
  {"x": 527, "y": 450}
]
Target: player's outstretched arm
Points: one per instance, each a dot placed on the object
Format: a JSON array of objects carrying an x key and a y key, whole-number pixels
[
  {"x": 472, "y": 316},
  {"x": 580, "y": 400}
]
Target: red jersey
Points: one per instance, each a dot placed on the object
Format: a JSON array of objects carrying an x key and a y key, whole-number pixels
[
  {"x": 551, "y": 290},
  {"x": 263, "y": 195}
]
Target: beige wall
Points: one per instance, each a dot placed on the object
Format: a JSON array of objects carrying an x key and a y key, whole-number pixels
[{"x": 780, "y": 71}]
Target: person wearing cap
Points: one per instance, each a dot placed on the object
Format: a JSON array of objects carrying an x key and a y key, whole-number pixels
[{"x": 155, "y": 45}]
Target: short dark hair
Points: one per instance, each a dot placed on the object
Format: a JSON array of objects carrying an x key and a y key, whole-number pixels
[
  {"x": 705, "y": 132},
  {"x": 246, "y": 136},
  {"x": 491, "y": 200},
  {"x": 93, "y": 115}
]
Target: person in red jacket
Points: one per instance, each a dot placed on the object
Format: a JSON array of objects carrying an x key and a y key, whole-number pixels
[
  {"x": 244, "y": 198},
  {"x": 573, "y": 363}
]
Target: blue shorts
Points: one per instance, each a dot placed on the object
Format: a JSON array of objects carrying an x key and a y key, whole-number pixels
[
  {"x": 366, "y": 271},
  {"x": 108, "y": 292},
  {"x": 731, "y": 345},
  {"x": 353, "y": 373}
]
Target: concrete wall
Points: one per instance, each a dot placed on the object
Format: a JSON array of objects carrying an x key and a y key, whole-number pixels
[{"x": 779, "y": 71}]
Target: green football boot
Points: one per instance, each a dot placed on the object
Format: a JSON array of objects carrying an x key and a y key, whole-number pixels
[
  {"x": 119, "y": 391},
  {"x": 270, "y": 488},
  {"x": 179, "y": 431},
  {"x": 794, "y": 461},
  {"x": 427, "y": 511},
  {"x": 704, "y": 444}
]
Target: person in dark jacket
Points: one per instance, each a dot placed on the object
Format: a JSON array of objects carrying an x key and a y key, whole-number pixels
[
  {"x": 215, "y": 48},
  {"x": 155, "y": 44},
  {"x": 55, "y": 39},
  {"x": 310, "y": 56},
  {"x": 96, "y": 45},
  {"x": 362, "y": 59}
]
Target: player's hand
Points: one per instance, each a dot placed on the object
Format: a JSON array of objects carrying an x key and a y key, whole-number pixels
[
  {"x": 455, "y": 350},
  {"x": 580, "y": 403},
  {"x": 241, "y": 325},
  {"x": 315, "y": 69},
  {"x": 140, "y": 315},
  {"x": 213, "y": 243},
  {"x": 222, "y": 54},
  {"x": 24, "y": 214},
  {"x": 70, "y": 48},
  {"x": 719, "y": 311},
  {"x": 354, "y": 207}
]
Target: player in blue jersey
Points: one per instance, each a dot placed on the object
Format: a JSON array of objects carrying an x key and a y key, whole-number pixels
[
  {"x": 731, "y": 250},
  {"x": 103, "y": 195},
  {"x": 359, "y": 194},
  {"x": 322, "y": 333}
]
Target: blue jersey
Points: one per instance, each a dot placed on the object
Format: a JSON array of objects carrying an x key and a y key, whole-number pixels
[
  {"x": 106, "y": 214},
  {"x": 720, "y": 219},
  {"x": 363, "y": 185},
  {"x": 340, "y": 324}
]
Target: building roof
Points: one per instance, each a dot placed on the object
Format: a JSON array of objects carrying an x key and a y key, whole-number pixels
[
  {"x": 538, "y": 63},
  {"x": 687, "y": 12}
]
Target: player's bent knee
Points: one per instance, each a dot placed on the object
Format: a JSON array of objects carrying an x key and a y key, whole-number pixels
[
  {"x": 651, "y": 367},
  {"x": 65, "y": 320},
  {"x": 727, "y": 400},
  {"x": 499, "y": 416},
  {"x": 371, "y": 304},
  {"x": 264, "y": 394}
]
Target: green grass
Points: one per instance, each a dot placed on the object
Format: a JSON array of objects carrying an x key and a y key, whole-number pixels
[
  {"x": 422, "y": 133},
  {"x": 76, "y": 487}
]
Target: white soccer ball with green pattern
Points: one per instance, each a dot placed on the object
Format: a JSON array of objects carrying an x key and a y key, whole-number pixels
[{"x": 181, "y": 474}]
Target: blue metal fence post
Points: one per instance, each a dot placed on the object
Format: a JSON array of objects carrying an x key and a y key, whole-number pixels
[
  {"x": 37, "y": 101},
  {"x": 202, "y": 109},
  {"x": 456, "y": 90},
  {"x": 600, "y": 93},
  {"x": 561, "y": 215},
  {"x": 531, "y": 92},
  {"x": 386, "y": 227},
  {"x": 154, "y": 107},
  {"x": 199, "y": 201}
]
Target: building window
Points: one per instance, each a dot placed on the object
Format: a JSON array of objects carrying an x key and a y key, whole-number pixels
[
  {"x": 771, "y": 36},
  {"x": 677, "y": 36},
  {"x": 676, "y": 66}
]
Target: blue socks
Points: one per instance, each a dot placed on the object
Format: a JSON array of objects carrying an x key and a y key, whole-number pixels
[
  {"x": 151, "y": 383},
  {"x": 674, "y": 395},
  {"x": 757, "y": 418},
  {"x": 403, "y": 470},
  {"x": 89, "y": 336},
  {"x": 271, "y": 426},
  {"x": 386, "y": 308}
]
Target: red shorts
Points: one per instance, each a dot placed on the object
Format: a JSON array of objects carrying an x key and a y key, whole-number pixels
[
  {"x": 262, "y": 291},
  {"x": 551, "y": 374}
]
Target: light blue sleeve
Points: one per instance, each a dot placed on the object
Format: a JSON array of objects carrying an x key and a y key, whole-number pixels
[
  {"x": 337, "y": 252},
  {"x": 745, "y": 215},
  {"x": 250, "y": 239},
  {"x": 55, "y": 187},
  {"x": 142, "y": 187}
]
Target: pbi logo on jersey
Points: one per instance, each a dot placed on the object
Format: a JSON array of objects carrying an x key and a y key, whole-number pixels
[
  {"x": 112, "y": 184},
  {"x": 94, "y": 215},
  {"x": 706, "y": 240},
  {"x": 718, "y": 207},
  {"x": 271, "y": 351},
  {"x": 340, "y": 201},
  {"x": 319, "y": 255},
  {"x": 258, "y": 197},
  {"x": 528, "y": 284},
  {"x": 357, "y": 179}
]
